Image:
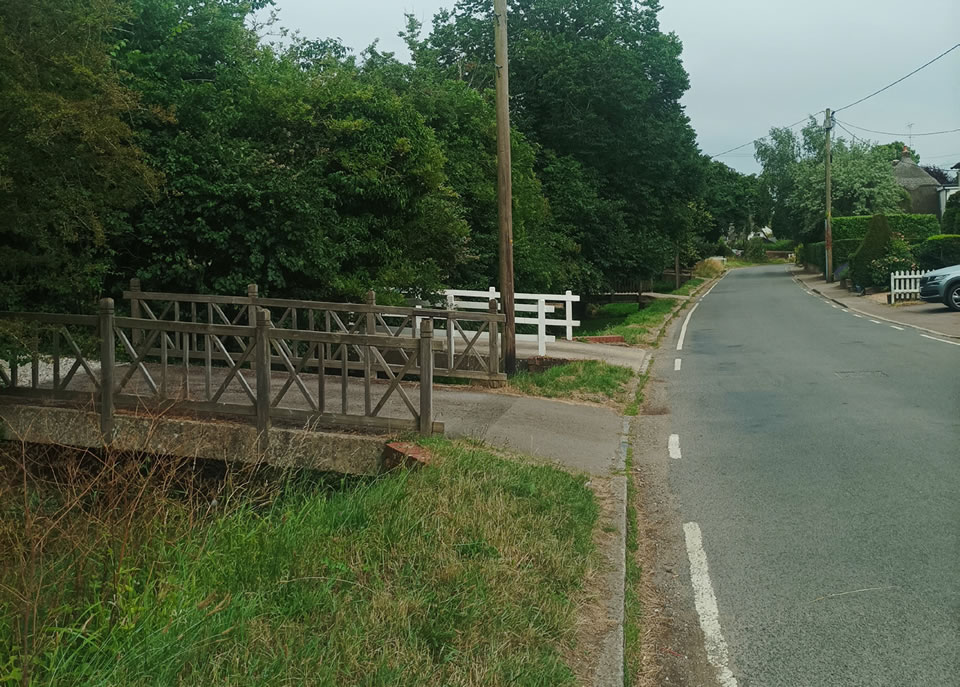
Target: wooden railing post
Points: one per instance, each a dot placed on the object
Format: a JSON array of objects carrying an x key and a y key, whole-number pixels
[
  {"x": 252, "y": 294},
  {"x": 426, "y": 376},
  {"x": 107, "y": 366},
  {"x": 262, "y": 355},
  {"x": 370, "y": 327},
  {"x": 135, "y": 311},
  {"x": 493, "y": 345}
]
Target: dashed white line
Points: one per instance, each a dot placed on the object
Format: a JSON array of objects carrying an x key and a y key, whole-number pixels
[
  {"x": 673, "y": 446},
  {"x": 706, "y": 602},
  {"x": 933, "y": 338},
  {"x": 676, "y": 364},
  {"x": 683, "y": 329},
  {"x": 896, "y": 327},
  {"x": 834, "y": 306},
  {"x": 856, "y": 315},
  {"x": 875, "y": 321}
]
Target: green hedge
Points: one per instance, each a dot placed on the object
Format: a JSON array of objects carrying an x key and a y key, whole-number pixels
[
  {"x": 913, "y": 227},
  {"x": 942, "y": 250},
  {"x": 874, "y": 247},
  {"x": 813, "y": 254},
  {"x": 782, "y": 245}
]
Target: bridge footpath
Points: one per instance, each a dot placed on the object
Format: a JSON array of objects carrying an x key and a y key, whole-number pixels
[{"x": 189, "y": 376}]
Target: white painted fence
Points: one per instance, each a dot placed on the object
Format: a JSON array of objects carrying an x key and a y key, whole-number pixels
[
  {"x": 541, "y": 304},
  {"x": 905, "y": 285}
]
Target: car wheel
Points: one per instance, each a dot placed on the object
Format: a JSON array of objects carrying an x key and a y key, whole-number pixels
[{"x": 952, "y": 297}]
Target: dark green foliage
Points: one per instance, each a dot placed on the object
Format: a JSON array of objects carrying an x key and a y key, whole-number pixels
[
  {"x": 942, "y": 250},
  {"x": 70, "y": 169},
  {"x": 843, "y": 249},
  {"x": 813, "y": 254},
  {"x": 912, "y": 227},
  {"x": 874, "y": 247},
  {"x": 782, "y": 245},
  {"x": 723, "y": 250},
  {"x": 756, "y": 250},
  {"x": 896, "y": 258},
  {"x": 950, "y": 222}
]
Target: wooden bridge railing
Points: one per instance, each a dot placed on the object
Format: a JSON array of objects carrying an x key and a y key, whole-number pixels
[
  {"x": 212, "y": 369},
  {"x": 472, "y": 339}
]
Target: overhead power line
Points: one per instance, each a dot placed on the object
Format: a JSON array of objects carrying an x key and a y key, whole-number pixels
[
  {"x": 756, "y": 140},
  {"x": 902, "y": 78},
  {"x": 857, "y": 102},
  {"x": 891, "y": 133}
]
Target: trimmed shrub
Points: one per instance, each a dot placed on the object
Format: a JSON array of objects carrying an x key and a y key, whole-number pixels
[
  {"x": 897, "y": 257},
  {"x": 942, "y": 250},
  {"x": 913, "y": 227},
  {"x": 844, "y": 249},
  {"x": 814, "y": 255},
  {"x": 950, "y": 222},
  {"x": 798, "y": 254},
  {"x": 756, "y": 250},
  {"x": 874, "y": 247},
  {"x": 782, "y": 245}
]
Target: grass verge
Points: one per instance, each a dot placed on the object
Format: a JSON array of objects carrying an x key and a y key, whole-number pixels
[
  {"x": 466, "y": 572},
  {"x": 633, "y": 408},
  {"x": 685, "y": 289},
  {"x": 628, "y": 320},
  {"x": 589, "y": 380}
]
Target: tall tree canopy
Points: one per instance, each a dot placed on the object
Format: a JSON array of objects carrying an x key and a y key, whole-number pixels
[{"x": 165, "y": 139}]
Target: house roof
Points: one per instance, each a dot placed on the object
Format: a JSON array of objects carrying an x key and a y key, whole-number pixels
[{"x": 909, "y": 174}]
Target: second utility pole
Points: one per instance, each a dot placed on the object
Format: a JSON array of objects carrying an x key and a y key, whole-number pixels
[
  {"x": 505, "y": 190},
  {"x": 828, "y": 226}
]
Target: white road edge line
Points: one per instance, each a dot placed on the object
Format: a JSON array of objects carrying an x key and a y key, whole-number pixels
[
  {"x": 683, "y": 329},
  {"x": 896, "y": 327},
  {"x": 706, "y": 603},
  {"x": 933, "y": 338},
  {"x": 834, "y": 306},
  {"x": 673, "y": 445},
  {"x": 856, "y": 315},
  {"x": 875, "y": 321},
  {"x": 676, "y": 364}
]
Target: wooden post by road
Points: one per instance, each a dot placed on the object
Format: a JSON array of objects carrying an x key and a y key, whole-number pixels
[
  {"x": 426, "y": 376},
  {"x": 262, "y": 355},
  {"x": 505, "y": 189},
  {"x": 107, "y": 354},
  {"x": 828, "y": 227}
]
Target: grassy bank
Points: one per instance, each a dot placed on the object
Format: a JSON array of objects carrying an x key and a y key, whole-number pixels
[
  {"x": 685, "y": 289},
  {"x": 585, "y": 380},
  {"x": 636, "y": 325},
  {"x": 466, "y": 572}
]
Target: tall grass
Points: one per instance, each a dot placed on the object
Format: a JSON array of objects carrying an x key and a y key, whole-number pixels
[
  {"x": 463, "y": 573},
  {"x": 628, "y": 320}
]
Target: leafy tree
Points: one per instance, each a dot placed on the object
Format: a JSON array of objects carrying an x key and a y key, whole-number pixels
[
  {"x": 596, "y": 81},
  {"x": 862, "y": 181},
  {"x": 284, "y": 168},
  {"x": 70, "y": 168}
]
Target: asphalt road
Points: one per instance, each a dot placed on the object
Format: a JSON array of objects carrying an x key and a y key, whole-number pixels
[{"x": 820, "y": 458}]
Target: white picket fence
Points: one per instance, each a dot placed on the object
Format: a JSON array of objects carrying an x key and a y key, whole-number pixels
[
  {"x": 541, "y": 304},
  {"x": 905, "y": 285}
]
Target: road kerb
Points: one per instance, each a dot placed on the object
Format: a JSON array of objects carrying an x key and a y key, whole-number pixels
[{"x": 870, "y": 314}]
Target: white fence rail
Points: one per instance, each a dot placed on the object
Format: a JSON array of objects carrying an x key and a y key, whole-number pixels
[
  {"x": 905, "y": 285},
  {"x": 539, "y": 304}
]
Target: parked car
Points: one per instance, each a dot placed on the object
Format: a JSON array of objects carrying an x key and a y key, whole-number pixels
[{"x": 942, "y": 286}]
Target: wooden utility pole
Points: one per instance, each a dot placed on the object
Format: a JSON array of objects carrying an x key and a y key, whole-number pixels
[
  {"x": 505, "y": 190},
  {"x": 828, "y": 226}
]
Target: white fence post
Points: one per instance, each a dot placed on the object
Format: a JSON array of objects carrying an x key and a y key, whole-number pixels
[
  {"x": 540, "y": 305},
  {"x": 905, "y": 285}
]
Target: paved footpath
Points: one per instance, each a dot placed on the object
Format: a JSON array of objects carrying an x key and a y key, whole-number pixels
[
  {"x": 934, "y": 318},
  {"x": 810, "y": 460}
]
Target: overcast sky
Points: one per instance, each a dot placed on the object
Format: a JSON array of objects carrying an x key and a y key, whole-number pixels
[{"x": 757, "y": 63}]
